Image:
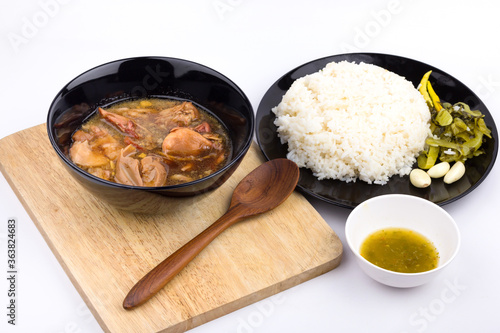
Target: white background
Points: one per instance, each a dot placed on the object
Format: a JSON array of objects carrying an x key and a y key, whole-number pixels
[{"x": 46, "y": 43}]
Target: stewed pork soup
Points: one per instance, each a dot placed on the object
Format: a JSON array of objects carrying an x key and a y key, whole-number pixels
[{"x": 151, "y": 142}]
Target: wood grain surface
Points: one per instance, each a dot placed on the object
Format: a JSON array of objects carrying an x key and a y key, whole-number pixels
[{"x": 105, "y": 251}]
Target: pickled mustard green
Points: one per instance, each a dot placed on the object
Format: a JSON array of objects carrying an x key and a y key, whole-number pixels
[
  {"x": 457, "y": 131},
  {"x": 400, "y": 250}
]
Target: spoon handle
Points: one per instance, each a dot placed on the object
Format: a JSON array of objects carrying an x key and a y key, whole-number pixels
[{"x": 159, "y": 276}]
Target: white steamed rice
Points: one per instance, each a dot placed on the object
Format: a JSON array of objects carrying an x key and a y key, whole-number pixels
[{"x": 351, "y": 121}]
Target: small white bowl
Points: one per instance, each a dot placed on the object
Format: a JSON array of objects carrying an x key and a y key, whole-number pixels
[{"x": 402, "y": 211}]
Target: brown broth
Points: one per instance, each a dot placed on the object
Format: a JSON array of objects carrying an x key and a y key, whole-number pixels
[{"x": 197, "y": 144}]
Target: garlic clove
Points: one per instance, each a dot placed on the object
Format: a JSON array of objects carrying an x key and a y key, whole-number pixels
[
  {"x": 419, "y": 178},
  {"x": 439, "y": 170},
  {"x": 456, "y": 172}
]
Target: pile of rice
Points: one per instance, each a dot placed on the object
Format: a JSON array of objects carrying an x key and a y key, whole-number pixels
[{"x": 351, "y": 121}]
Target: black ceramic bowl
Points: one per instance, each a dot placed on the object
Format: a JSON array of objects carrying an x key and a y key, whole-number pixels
[{"x": 149, "y": 77}]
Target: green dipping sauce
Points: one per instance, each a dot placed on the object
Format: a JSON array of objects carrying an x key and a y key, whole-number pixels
[{"x": 400, "y": 250}]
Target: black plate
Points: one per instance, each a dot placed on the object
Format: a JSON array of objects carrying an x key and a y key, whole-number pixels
[{"x": 350, "y": 195}]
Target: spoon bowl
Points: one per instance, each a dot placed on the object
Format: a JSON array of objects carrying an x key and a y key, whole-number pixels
[{"x": 262, "y": 190}]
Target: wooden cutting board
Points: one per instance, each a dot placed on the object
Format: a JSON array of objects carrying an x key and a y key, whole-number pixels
[{"x": 105, "y": 251}]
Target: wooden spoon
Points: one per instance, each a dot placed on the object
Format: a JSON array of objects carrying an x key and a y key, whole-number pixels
[{"x": 263, "y": 189}]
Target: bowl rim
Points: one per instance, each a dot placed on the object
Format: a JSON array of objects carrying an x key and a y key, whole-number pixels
[
  {"x": 69, "y": 163},
  {"x": 410, "y": 197}
]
